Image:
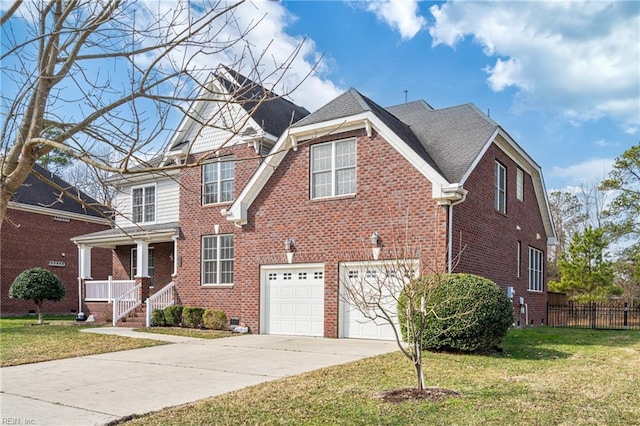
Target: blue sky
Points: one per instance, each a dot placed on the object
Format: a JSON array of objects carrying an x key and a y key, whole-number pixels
[{"x": 562, "y": 77}]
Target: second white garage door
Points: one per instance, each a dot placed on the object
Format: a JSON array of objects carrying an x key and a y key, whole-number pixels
[{"x": 293, "y": 300}]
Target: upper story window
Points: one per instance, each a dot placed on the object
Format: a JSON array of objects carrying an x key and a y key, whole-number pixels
[
  {"x": 536, "y": 258},
  {"x": 520, "y": 185},
  {"x": 333, "y": 169},
  {"x": 500, "y": 184},
  {"x": 217, "y": 259},
  {"x": 143, "y": 204},
  {"x": 217, "y": 182}
]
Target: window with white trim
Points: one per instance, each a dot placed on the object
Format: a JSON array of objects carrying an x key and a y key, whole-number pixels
[
  {"x": 536, "y": 258},
  {"x": 518, "y": 258},
  {"x": 134, "y": 264},
  {"x": 333, "y": 169},
  {"x": 218, "y": 181},
  {"x": 143, "y": 204},
  {"x": 217, "y": 259},
  {"x": 500, "y": 184},
  {"x": 520, "y": 184}
]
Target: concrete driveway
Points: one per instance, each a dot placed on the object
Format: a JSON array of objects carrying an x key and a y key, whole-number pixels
[{"x": 97, "y": 389}]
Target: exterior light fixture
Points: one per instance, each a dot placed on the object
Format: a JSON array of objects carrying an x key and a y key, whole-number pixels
[
  {"x": 289, "y": 248},
  {"x": 376, "y": 244}
]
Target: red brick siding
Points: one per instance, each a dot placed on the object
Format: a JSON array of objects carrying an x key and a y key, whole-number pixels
[
  {"x": 490, "y": 238},
  {"x": 391, "y": 198},
  {"x": 31, "y": 240},
  {"x": 197, "y": 220}
]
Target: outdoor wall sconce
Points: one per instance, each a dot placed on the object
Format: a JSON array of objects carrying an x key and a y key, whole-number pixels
[
  {"x": 289, "y": 249},
  {"x": 376, "y": 244}
]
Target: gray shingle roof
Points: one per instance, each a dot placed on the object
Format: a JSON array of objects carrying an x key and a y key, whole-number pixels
[
  {"x": 352, "y": 103},
  {"x": 36, "y": 192},
  {"x": 275, "y": 114},
  {"x": 454, "y": 137}
]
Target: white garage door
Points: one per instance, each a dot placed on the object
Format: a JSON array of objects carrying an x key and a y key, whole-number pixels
[
  {"x": 294, "y": 301},
  {"x": 373, "y": 282}
]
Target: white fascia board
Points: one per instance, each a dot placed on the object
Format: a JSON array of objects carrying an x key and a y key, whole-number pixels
[
  {"x": 525, "y": 162},
  {"x": 115, "y": 240},
  {"x": 57, "y": 213}
]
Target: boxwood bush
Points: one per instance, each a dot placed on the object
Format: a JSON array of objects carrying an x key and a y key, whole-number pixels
[
  {"x": 173, "y": 315},
  {"x": 214, "y": 319},
  {"x": 465, "y": 313},
  {"x": 192, "y": 317},
  {"x": 157, "y": 318}
]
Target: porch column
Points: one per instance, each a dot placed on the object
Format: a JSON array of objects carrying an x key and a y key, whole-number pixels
[
  {"x": 84, "y": 262},
  {"x": 142, "y": 268},
  {"x": 175, "y": 256}
]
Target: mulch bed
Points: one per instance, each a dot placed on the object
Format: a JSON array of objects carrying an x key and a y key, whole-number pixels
[{"x": 414, "y": 394}]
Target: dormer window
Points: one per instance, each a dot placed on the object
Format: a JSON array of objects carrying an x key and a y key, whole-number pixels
[
  {"x": 143, "y": 204},
  {"x": 218, "y": 181}
]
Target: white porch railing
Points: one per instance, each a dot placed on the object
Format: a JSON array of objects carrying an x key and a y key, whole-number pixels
[
  {"x": 107, "y": 290},
  {"x": 126, "y": 303},
  {"x": 160, "y": 300}
]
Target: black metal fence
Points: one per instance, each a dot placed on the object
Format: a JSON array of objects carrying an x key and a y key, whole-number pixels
[{"x": 602, "y": 316}]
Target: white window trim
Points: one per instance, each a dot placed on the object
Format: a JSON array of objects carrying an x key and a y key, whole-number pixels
[
  {"x": 218, "y": 261},
  {"x": 500, "y": 192},
  {"x": 535, "y": 281},
  {"x": 334, "y": 170},
  {"x": 520, "y": 184},
  {"x": 155, "y": 202},
  {"x": 218, "y": 164}
]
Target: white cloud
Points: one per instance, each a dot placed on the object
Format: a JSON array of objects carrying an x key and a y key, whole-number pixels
[
  {"x": 594, "y": 170},
  {"x": 580, "y": 57},
  {"x": 401, "y": 15}
]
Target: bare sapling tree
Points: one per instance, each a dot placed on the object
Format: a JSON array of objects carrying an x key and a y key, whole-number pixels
[
  {"x": 407, "y": 275},
  {"x": 85, "y": 76}
]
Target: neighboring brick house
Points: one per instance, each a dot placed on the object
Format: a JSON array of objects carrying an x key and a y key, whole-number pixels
[
  {"x": 271, "y": 240},
  {"x": 37, "y": 232}
]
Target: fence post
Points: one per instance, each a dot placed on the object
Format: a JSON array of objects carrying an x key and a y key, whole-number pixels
[
  {"x": 626, "y": 316},
  {"x": 593, "y": 315}
]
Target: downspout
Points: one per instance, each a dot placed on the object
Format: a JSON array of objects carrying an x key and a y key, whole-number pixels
[{"x": 450, "y": 237}]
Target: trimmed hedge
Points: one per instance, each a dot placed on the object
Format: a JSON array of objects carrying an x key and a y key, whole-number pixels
[
  {"x": 465, "y": 313},
  {"x": 173, "y": 315},
  {"x": 157, "y": 318},
  {"x": 192, "y": 316},
  {"x": 214, "y": 319}
]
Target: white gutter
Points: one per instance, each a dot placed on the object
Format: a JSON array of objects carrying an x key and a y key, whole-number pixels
[{"x": 452, "y": 195}]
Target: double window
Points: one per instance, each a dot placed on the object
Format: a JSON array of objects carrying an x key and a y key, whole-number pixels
[
  {"x": 217, "y": 259},
  {"x": 500, "y": 184},
  {"x": 143, "y": 204},
  {"x": 333, "y": 169},
  {"x": 217, "y": 182},
  {"x": 536, "y": 258}
]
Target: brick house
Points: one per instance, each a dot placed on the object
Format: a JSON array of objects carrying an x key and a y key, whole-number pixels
[
  {"x": 272, "y": 241},
  {"x": 37, "y": 232}
]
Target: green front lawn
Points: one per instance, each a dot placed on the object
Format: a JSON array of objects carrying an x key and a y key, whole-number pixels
[
  {"x": 545, "y": 376},
  {"x": 21, "y": 342}
]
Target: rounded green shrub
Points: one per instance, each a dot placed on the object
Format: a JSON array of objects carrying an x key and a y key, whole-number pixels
[
  {"x": 214, "y": 319},
  {"x": 463, "y": 313},
  {"x": 37, "y": 284},
  {"x": 173, "y": 315},
  {"x": 157, "y": 318},
  {"x": 192, "y": 317}
]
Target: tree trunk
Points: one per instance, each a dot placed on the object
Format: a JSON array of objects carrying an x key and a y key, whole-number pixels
[
  {"x": 417, "y": 365},
  {"x": 39, "y": 311}
]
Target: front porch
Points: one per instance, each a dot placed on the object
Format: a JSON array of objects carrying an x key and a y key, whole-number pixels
[{"x": 144, "y": 264}]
